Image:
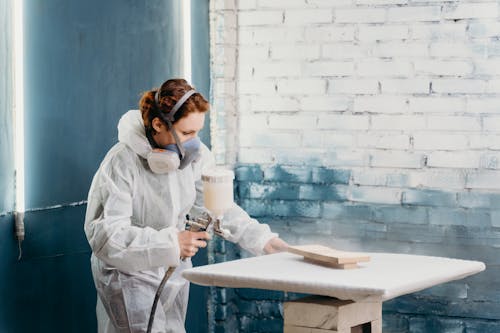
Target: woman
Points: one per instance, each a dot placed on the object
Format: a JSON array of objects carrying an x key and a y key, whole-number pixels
[{"x": 136, "y": 210}]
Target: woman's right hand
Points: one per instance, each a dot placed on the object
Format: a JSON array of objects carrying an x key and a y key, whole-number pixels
[{"x": 190, "y": 241}]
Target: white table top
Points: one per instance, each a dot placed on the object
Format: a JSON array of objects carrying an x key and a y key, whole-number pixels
[{"x": 386, "y": 276}]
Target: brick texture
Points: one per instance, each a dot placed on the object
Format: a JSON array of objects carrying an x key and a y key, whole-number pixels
[{"x": 363, "y": 125}]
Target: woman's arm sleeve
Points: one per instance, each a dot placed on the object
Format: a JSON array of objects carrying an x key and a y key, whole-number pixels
[
  {"x": 249, "y": 233},
  {"x": 110, "y": 232}
]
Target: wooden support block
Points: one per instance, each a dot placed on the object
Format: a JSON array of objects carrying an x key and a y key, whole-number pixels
[
  {"x": 376, "y": 326},
  {"x": 330, "y": 313},
  {"x": 300, "y": 329},
  {"x": 357, "y": 329}
]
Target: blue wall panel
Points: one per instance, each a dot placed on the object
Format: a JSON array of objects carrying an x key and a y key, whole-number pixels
[
  {"x": 197, "y": 318},
  {"x": 86, "y": 64},
  {"x": 7, "y": 245},
  {"x": 54, "y": 294},
  {"x": 200, "y": 55},
  {"x": 50, "y": 289},
  {"x": 8, "y": 287}
]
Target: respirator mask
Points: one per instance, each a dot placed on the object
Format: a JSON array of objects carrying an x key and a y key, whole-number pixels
[{"x": 176, "y": 155}]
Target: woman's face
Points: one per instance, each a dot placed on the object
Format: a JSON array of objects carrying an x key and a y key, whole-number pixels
[{"x": 186, "y": 128}]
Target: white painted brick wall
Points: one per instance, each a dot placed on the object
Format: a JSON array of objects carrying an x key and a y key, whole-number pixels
[
  {"x": 343, "y": 122},
  {"x": 491, "y": 124},
  {"x": 400, "y": 49},
  {"x": 384, "y": 141},
  {"x": 329, "y": 33},
  {"x": 454, "y": 123},
  {"x": 438, "y": 141},
  {"x": 458, "y": 49},
  {"x": 381, "y": 104},
  {"x": 307, "y": 17},
  {"x": 396, "y": 122},
  {"x": 260, "y": 17},
  {"x": 382, "y": 32},
  {"x": 384, "y": 68},
  {"x": 292, "y": 52},
  {"x": 487, "y": 68},
  {"x": 434, "y": 31},
  {"x": 329, "y": 68},
  {"x": 407, "y": 86},
  {"x": 414, "y": 13},
  {"x": 398, "y": 159},
  {"x": 376, "y": 195},
  {"x": 470, "y": 10},
  {"x": 269, "y": 104},
  {"x": 483, "y": 105},
  {"x": 328, "y": 139},
  {"x": 402, "y": 97},
  {"x": 373, "y": 15},
  {"x": 439, "y": 178},
  {"x": 344, "y": 50},
  {"x": 484, "y": 29},
  {"x": 352, "y": 86},
  {"x": 444, "y": 159},
  {"x": 437, "y": 104},
  {"x": 301, "y": 86},
  {"x": 443, "y": 67},
  {"x": 458, "y": 86},
  {"x": 324, "y": 103}
]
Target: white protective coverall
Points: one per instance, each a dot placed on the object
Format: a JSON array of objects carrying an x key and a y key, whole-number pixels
[{"x": 132, "y": 221}]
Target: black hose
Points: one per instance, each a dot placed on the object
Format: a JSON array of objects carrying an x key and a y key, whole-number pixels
[
  {"x": 167, "y": 275},
  {"x": 193, "y": 226}
]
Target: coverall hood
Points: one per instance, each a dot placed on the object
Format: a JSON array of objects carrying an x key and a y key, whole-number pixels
[{"x": 131, "y": 132}]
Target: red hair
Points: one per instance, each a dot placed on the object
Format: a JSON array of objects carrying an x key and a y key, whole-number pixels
[{"x": 169, "y": 93}]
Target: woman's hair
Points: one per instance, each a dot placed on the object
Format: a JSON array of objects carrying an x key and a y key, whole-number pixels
[{"x": 170, "y": 92}]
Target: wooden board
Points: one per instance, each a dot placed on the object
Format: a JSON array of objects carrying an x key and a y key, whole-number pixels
[
  {"x": 328, "y": 256},
  {"x": 329, "y": 264}
]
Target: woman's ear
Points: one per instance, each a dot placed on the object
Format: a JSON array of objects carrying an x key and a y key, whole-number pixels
[{"x": 157, "y": 125}]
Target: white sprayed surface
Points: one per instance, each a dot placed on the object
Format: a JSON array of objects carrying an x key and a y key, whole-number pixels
[{"x": 385, "y": 277}]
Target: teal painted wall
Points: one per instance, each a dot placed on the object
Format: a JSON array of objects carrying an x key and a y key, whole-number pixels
[
  {"x": 197, "y": 320},
  {"x": 7, "y": 246},
  {"x": 200, "y": 55},
  {"x": 86, "y": 64}
]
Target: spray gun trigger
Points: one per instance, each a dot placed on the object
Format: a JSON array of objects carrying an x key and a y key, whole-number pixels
[{"x": 195, "y": 227}]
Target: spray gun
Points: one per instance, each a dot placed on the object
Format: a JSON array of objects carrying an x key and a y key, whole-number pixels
[
  {"x": 218, "y": 198},
  {"x": 207, "y": 223}
]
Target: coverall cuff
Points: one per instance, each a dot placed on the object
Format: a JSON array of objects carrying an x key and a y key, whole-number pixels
[
  {"x": 263, "y": 241},
  {"x": 174, "y": 252}
]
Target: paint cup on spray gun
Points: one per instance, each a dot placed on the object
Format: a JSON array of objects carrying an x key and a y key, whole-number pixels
[{"x": 218, "y": 195}]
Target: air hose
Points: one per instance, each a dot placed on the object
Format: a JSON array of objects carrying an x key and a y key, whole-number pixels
[
  {"x": 200, "y": 224},
  {"x": 167, "y": 275}
]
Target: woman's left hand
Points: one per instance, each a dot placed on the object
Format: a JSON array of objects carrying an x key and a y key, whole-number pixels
[{"x": 275, "y": 245}]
